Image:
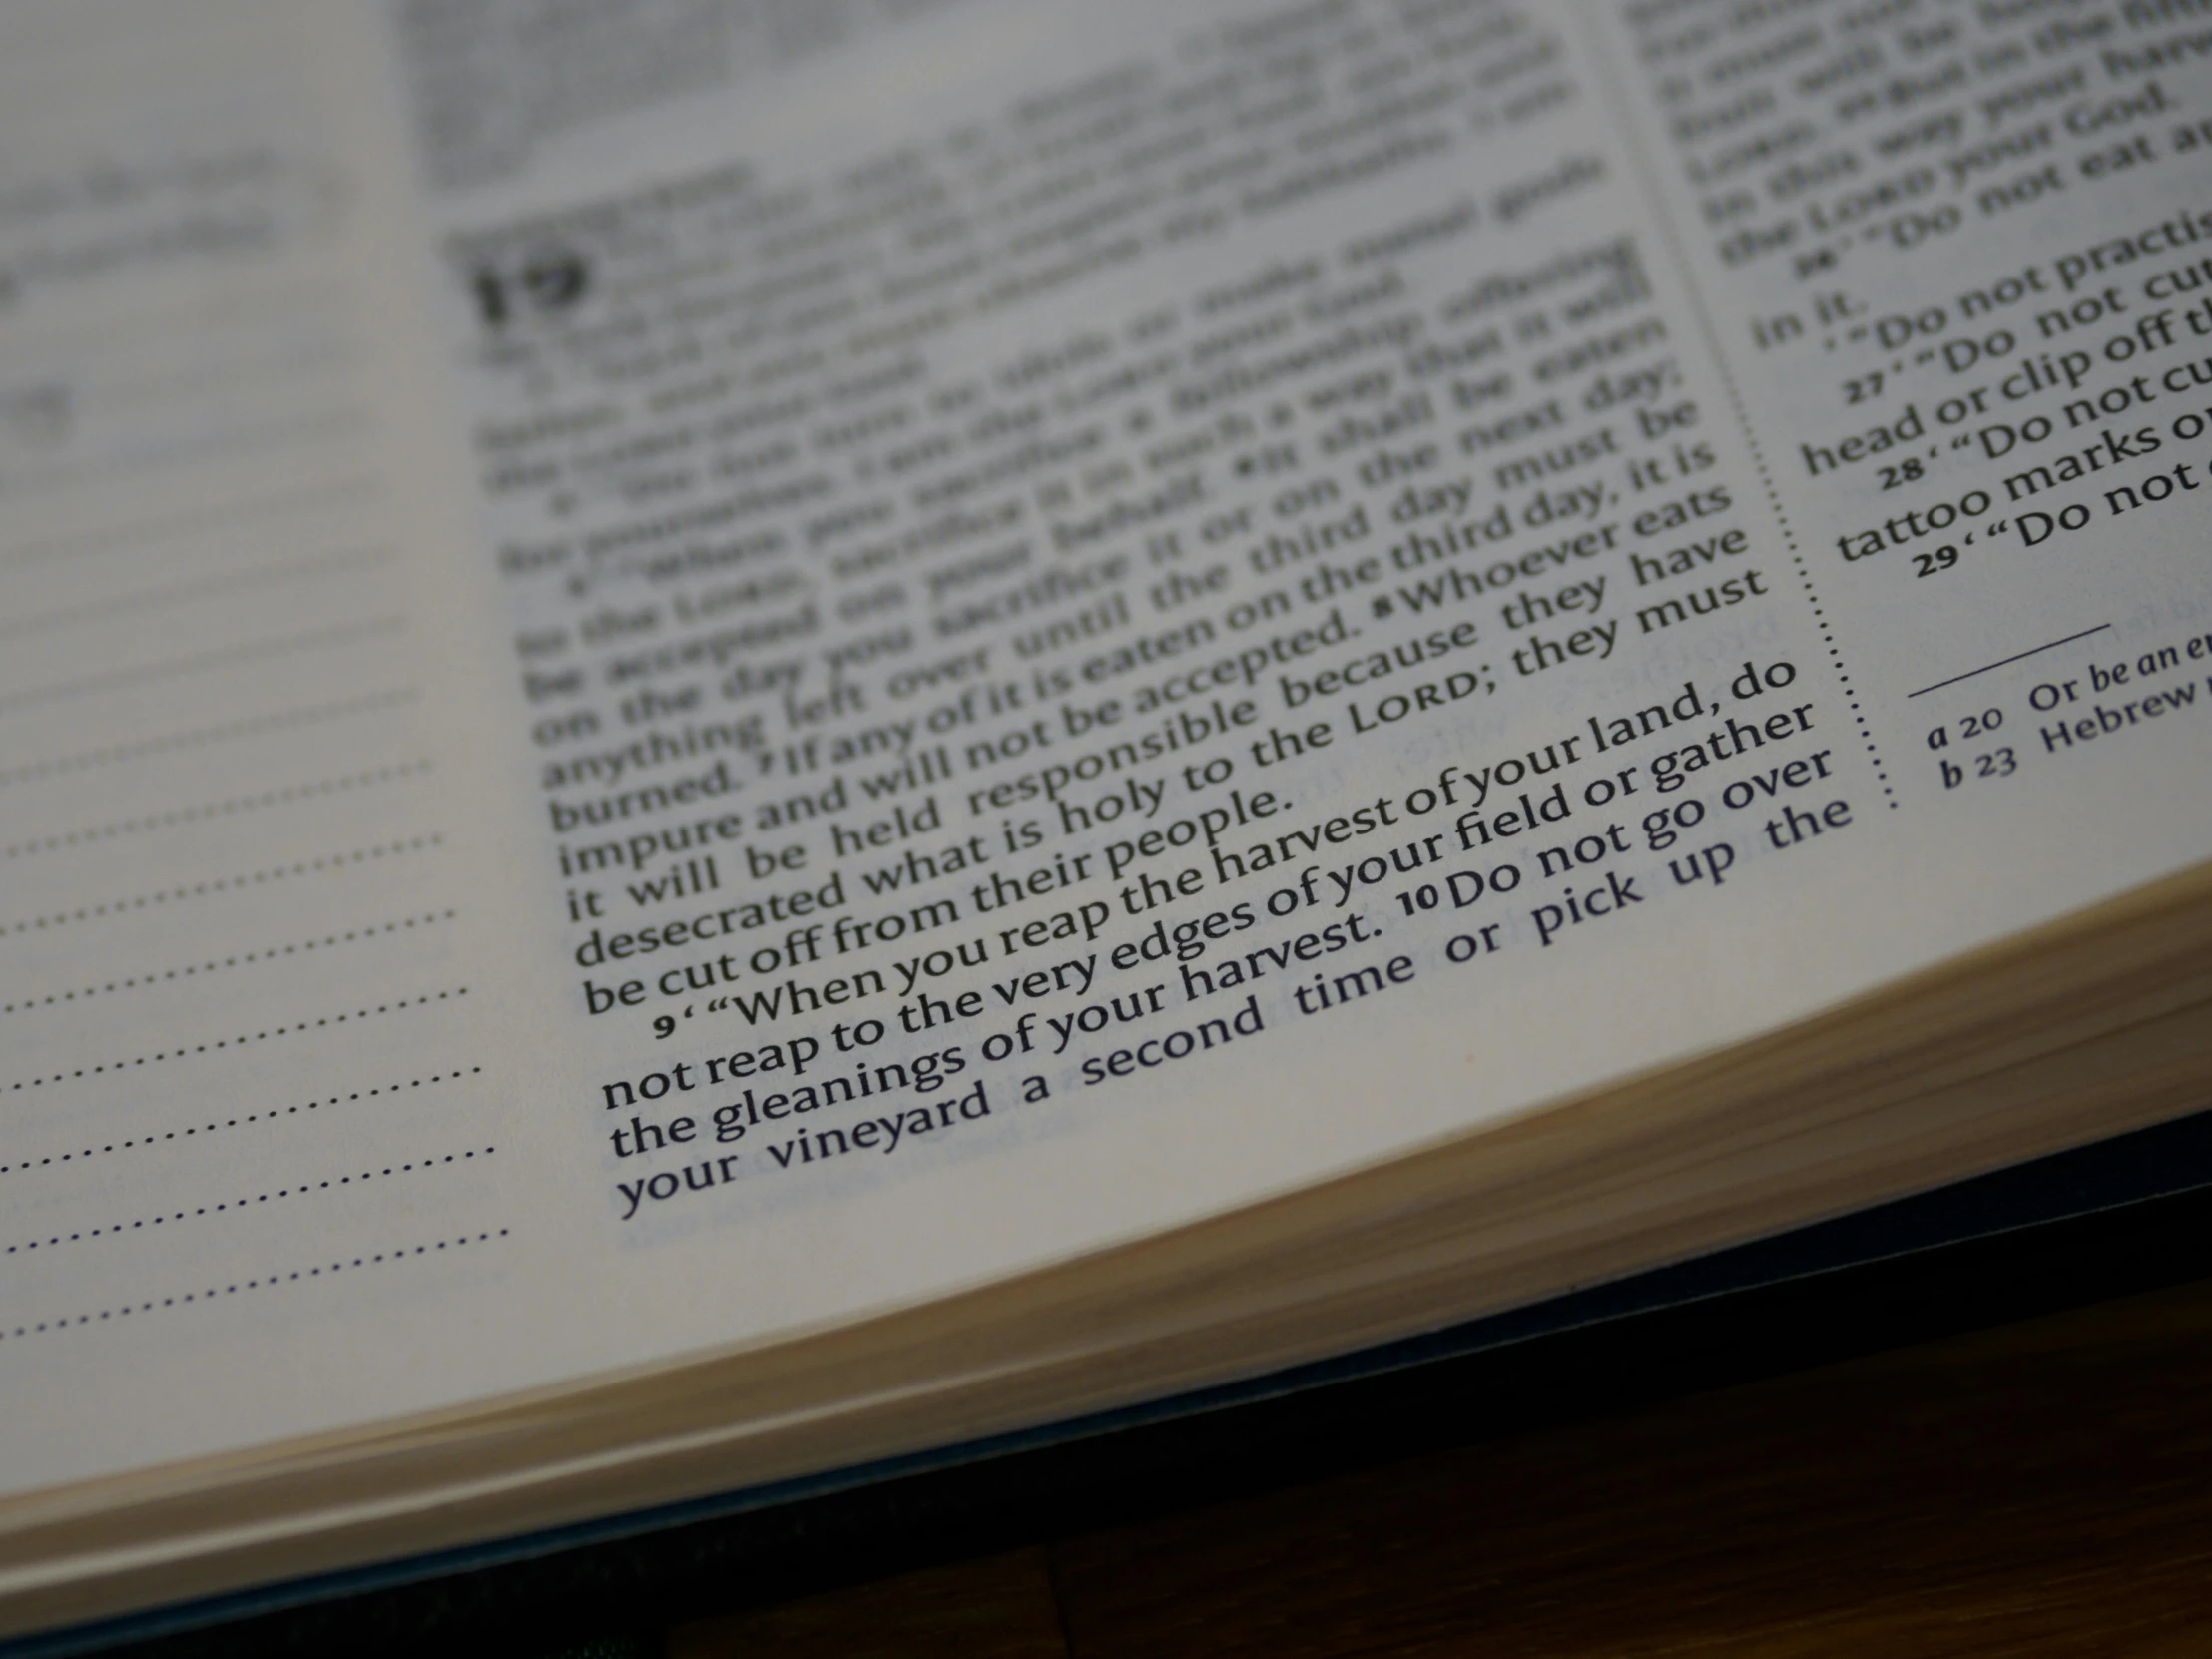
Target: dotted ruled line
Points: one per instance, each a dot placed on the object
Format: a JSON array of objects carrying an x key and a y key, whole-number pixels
[
  {"x": 167, "y": 527},
  {"x": 1804, "y": 575},
  {"x": 253, "y": 726},
  {"x": 214, "y": 1292},
  {"x": 146, "y": 674},
  {"x": 217, "y": 808},
  {"x": 234, "y": 1042},
  {"x": 236, "y": 1204},
  {"x": 200, "y": 889},
  {"x": 155, "y": 599},
  {"x": 272, "y": 953},
  {"x": 235, "y": 1123}
]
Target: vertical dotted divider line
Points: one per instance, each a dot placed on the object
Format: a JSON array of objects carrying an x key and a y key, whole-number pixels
[
  {"x": 1641, "y": 162},
  {"x": 1804, "y": 575}
]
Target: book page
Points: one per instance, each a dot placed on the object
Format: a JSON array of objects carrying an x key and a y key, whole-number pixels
[
  {"x": 260, "y": 1078},
  {"x": 1054, "y": 619},
  {"x": 1952, "y": 262},
  {"x": 1208, "y": 596}
]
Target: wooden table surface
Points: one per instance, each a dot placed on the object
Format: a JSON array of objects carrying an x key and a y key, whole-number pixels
[{"x": 2043, "y": 1488}]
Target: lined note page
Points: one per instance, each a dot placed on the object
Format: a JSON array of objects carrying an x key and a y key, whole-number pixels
[{"x": 246, "y": 1087}]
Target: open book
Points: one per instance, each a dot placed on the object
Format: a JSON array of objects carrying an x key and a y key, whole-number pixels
[{"x": 737, "y": 737}]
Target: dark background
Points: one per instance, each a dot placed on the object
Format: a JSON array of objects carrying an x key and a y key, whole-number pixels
[{"x": 1973, "y": 1421}]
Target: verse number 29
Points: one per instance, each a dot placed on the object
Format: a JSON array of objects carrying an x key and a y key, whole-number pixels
[
  {"x": 545, "y": 282},
  {"x": 1930, "y": 564}
]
